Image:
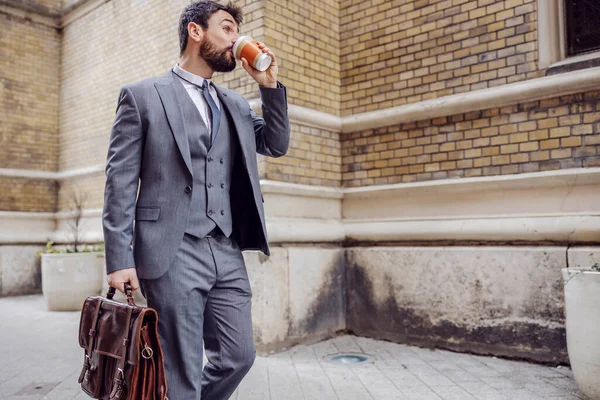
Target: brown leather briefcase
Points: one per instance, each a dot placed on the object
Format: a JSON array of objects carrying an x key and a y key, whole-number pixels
[{"x": 123, "y": 358}]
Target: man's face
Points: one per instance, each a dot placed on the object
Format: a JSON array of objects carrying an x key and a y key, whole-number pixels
[{"x": 216, "y": 46}]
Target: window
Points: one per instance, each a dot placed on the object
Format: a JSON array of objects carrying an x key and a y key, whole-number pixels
[
  {"x": 582, "y": 19},
  {"x": 568, "y": 34}
]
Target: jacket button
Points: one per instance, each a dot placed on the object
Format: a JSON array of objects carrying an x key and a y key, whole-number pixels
[
  {"x": 222, "y": 212},
  {"x": 188, "y": 189},
  {"x": 222, "y": 186},
  {"x": 210, "y": 212},
  {"x": 209, "y": 185}
]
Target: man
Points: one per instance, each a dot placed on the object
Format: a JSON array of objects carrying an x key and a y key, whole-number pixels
[{"x": 190, "y": 147}]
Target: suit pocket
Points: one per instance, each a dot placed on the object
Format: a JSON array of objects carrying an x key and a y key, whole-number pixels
[{"x": 147, "y": 213}]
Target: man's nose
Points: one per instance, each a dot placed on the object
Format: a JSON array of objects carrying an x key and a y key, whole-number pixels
[{"x": 235, "y": 38}]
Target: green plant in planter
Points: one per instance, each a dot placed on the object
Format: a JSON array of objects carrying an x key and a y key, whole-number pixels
[{"x": 52, "y": 249}]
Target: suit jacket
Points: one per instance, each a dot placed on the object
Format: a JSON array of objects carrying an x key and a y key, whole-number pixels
[{"x": 149, "y": 152}]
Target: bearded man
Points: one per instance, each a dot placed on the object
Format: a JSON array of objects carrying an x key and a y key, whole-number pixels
[{"x": 182, "y": 164}]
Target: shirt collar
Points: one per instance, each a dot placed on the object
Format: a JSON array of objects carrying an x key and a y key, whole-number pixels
[{"x": 189, "y": 77}]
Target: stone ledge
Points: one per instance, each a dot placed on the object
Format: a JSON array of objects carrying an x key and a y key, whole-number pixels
[{"x": 555, "y": 206}]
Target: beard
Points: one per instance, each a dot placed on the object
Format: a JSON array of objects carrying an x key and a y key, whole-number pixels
[{"x": 218, "y": 60}]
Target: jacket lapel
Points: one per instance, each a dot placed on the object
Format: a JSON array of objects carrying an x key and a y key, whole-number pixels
[{"x": 168, "y": 92}]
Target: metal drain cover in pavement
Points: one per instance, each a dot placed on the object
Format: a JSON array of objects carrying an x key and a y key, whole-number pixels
[{"x": 349, "y": 359}]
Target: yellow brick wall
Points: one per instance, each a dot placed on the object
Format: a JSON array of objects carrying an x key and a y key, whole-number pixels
[
  {"x": 538, "y": 136},
  {"x": 314, "y": 158},
  {"x": 305, "y": 37},
  {"x": 405, "y": 51},
  {"x": 91, "y": 188},
  {"x": 390, "y": 53},
  {"x": 29, "y": 59},
  {"x": 33, "y": 195}
]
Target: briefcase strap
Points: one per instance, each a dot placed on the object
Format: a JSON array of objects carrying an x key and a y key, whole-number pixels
[
  {"x": 128, "y": 293},
  {"x": 84, "y": 375},
  {"x": 119, "y": 382}
]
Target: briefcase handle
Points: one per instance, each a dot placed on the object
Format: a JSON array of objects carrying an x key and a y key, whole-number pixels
[{"x": 128, "y": 293}]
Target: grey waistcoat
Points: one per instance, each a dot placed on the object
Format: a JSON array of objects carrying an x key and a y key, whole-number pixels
[{"x": 211, "y": 168}]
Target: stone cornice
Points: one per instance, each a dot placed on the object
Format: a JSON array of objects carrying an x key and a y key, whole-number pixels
[
  {"x": 50, "y": 175},
  {"x": 32, "y": 7},
  {"x": 55, "y": 18},
  {"x": 30, "y": 12},
  {"x": 556, "y": 206}
]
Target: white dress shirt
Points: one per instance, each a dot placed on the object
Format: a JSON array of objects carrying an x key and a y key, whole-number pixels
[{"x": 193, "y": 85}]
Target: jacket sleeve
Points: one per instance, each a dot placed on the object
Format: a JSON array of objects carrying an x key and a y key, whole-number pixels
[
  {"x": 122, "y": 179},
  {"x": 273, "y": 130}
]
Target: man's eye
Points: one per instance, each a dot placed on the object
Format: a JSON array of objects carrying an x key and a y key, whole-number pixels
[{"x": 227, "y": 29}]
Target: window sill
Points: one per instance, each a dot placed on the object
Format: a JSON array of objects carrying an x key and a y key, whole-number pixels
[{"x": 576, "y": 63}]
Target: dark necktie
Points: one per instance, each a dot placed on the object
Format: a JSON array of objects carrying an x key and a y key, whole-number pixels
[{"x": 215, "y": 113}]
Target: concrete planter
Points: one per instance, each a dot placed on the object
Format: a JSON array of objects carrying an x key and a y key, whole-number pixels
[
  {"x": 68, "y": 279},
  {"x": 582, "y": 299}
]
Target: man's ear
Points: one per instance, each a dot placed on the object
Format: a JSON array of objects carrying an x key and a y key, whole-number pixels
[{"x": 195, "y": 32}]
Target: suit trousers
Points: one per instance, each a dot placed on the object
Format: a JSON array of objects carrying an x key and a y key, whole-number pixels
[{"x": 204, "y": 296}]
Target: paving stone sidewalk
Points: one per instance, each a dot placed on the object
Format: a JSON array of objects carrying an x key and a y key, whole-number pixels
[{"x": 40, "y": 359}]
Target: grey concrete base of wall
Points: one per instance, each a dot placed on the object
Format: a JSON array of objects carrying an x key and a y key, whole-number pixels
[
  {"x": 500, "y": 300},
  {"x": 505, "y": 301},
  {"x": 20, "y": 271},
  {"x": 299, "y": 295}
]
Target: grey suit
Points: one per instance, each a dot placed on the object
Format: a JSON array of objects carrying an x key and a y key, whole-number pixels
[{"x": 197, "y": 281}]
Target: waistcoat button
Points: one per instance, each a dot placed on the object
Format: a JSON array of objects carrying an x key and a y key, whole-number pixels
[
  {"x": 222, "y": 161},
  {"x": 222, "y": 212},
  {"x": 188, "y": 189},
  {"x": 210, "y": 159},
  {"x": 210, "y": 212},
  {"x": 222, "y": 186},
  {"x": 209, "y": 185}
]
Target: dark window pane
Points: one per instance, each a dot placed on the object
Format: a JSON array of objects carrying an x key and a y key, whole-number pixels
[{"x": 583, "y": 26}]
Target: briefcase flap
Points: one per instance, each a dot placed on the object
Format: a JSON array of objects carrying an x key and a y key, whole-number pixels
[{"x": 111, "y": 328}]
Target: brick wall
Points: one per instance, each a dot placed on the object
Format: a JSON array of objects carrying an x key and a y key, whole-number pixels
[
  {"x": 305, "y": 35},
  {"x": 129, "y": 41},
  {"x": 91, "y": 188},
  {"x": 29, "y": 65},
  {"x": 398, "y": 52},
  {"x": 34, "y": 195},
  {"x": 538, "y": 136},
  {"x": 29, "y": 55},
  {"x": 390, "y": 53},
  {"x": 314, "y": 158}
]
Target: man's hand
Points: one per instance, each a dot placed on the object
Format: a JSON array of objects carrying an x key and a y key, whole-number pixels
[
  {"x": 119, "y": 278},
  {"x": 266, "y": 78}
]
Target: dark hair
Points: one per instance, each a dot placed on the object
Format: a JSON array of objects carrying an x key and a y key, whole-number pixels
[{"x": 200, "y": 12}]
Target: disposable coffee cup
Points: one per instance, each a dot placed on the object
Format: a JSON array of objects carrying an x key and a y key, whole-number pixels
[{"x": 247, "y": 48}]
